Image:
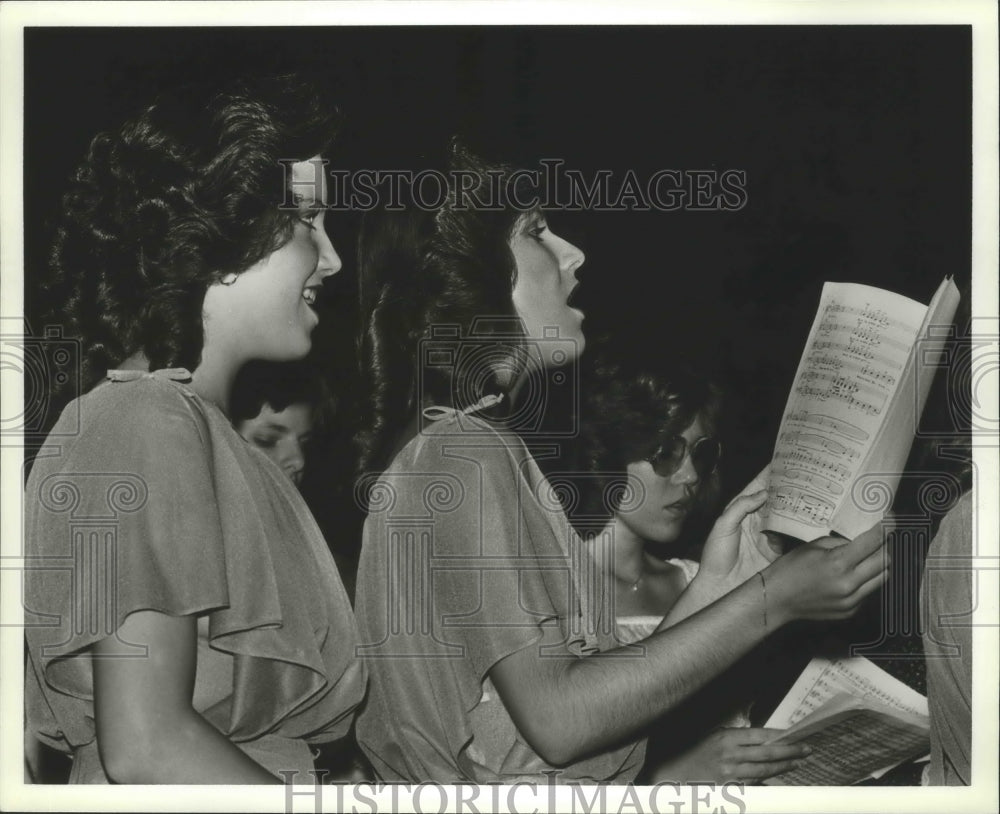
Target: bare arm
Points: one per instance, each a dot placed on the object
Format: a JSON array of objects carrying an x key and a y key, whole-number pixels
[
  {"x": 147, "y": 730},
  {"x": 567, "y": 708}
]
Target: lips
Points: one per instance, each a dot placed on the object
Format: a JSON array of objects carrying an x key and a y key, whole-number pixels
[
  {"x": 571, "y": 300},
  {"x": 310, "y": 294},
  {"x": 680, "y": 507}
]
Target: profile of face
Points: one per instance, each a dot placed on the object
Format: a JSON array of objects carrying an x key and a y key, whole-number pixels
[
  {"x": 665, "y": 501},
  {"x": 281, "y": 436},
  {"x": 546, "y": 276},
  {"x": 268, "y": 312}
]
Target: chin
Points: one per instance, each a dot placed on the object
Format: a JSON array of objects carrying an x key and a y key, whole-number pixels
[
  {"x": 290, "y": 352},
  {"x": 664, "y": 536}
]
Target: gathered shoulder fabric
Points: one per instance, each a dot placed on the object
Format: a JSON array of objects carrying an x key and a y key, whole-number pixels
[
  {"x": 156, "y": 503},
  {"x": 467, "y": 558}
]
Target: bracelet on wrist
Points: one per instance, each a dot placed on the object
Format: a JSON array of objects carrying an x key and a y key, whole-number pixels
[{"x": 763, "y": 595}]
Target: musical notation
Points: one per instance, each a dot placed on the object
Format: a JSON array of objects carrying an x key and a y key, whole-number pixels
[
  {"x": 825, "y": 679},
  {"x": 814, "y": 461},
  {"x": 852, "y": 370},
  {"x": 864, "y": 336},
  {"x": 877, "y": 375},
  {"x": 866, "y": 313},
  {"x": 819, "y": 420},
  {"x": 855, "y": 357},
  {"x": 822, "y": 386},
  {"x": 853, "y": 350},
  {"x": 817, "y": 481},
  {"x": 818, "y": 442},
  {"x": 803, "y": 506}
]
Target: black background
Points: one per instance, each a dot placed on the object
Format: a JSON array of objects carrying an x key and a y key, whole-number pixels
[{"x": 855, "y": 141}]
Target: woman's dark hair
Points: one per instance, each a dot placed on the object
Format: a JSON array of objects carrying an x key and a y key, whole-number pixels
[
  {"x": 191, "y": 189},
  {"x": 444, "y": 275},
  {"x": 626, "y": 412},
  {"x": 279, "y": 385}
]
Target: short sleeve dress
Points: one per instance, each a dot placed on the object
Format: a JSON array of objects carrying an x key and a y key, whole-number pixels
[
  {"x": 145, "y": 498},
  {"x": 467, "y": 556}
]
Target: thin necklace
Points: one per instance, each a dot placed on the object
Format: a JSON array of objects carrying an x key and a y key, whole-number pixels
[{"x": 633, "y": 585}]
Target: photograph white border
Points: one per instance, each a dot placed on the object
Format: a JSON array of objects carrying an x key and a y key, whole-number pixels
[{"x": 982, "y": 16}]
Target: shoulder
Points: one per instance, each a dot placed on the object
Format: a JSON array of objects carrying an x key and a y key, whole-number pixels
[
  {"x": 688, "y": 568},
  {"x": 450, "y": 467},
  {"x": 145, "y": 412},
  {"x": 450, "y": 441},
  {"x": 954, "y": 535}
]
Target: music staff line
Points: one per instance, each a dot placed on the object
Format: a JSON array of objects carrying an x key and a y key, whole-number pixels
[
  {"x": 856, "y": 353},
  {"x": 843, "y": 428},
  {"x": 801, "y": 505},
  {"x": 868, "y": 335},
  {"x": 872, "y": 374},
  {"x": 818, "y": 442},
  {"x": 794, "y": 458},
  {"x": 877, "y": 316}
]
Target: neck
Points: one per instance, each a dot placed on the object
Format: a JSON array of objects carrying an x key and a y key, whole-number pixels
[
  {"x": 213, "y": 378},
  {"x": 137, "y": 361},
  {"x": 628, "y": 551},
  {"x": 515, "y": 389},
  {"x": 536, "y": 363}
]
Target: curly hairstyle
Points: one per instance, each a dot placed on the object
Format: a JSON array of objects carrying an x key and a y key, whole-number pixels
[
  {"x": 447, "y": 274},
  {"x": 626, "y": 412},
  {"x": 191, "y": 189}
]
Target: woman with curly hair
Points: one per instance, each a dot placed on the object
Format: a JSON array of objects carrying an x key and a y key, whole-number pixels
[
  {"x": 490, "y": 659},
  {"x": 650, "y": 456},
  {"x": 650, "y": 461},
  {"x": 195, "y": 628}
]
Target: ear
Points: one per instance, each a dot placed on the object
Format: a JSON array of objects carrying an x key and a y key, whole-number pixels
[{"x": 229, "y": 279}]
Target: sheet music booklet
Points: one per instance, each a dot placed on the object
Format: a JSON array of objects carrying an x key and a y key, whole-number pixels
[
  {"x": 853, "y": 410},
  {"x": 859, "y": 720}
]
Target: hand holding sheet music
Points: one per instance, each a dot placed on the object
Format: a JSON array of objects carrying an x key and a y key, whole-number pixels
[{"x": 858, "y": 719}]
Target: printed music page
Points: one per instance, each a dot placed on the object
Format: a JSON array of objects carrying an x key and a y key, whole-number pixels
[
  {"x": 823, "y": 679},
  {"x": 860, "y": 721},
  {"x": 853, "y": 742},
  {"x": 842, "y": 402}
]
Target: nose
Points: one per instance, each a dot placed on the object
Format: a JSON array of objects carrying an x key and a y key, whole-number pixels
[
  {"x": 686, "y": 474},
  {"x": 293, "y": 460},
  {"x": 328, "y": 263},
  {"x": 570, "y": 259}
]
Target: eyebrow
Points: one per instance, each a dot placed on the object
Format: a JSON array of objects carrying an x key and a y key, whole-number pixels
[{"x": 527, "y": 219}]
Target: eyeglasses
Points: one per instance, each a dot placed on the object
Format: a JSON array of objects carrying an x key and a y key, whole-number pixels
[{"x": 705, "y": 452}]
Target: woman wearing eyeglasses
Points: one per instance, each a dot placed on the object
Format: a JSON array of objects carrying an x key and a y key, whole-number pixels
[
  {"x": 653, "y": 459},
  {"x": 474, "y": 594},
  {"x": 651, "y": 448}
]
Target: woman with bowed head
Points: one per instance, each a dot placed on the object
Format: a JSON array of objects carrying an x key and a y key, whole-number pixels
[
  {"x": 198, "y": 630},
  {"x": 650, "y": 460},
  {"x": 476, "y": 600}
]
